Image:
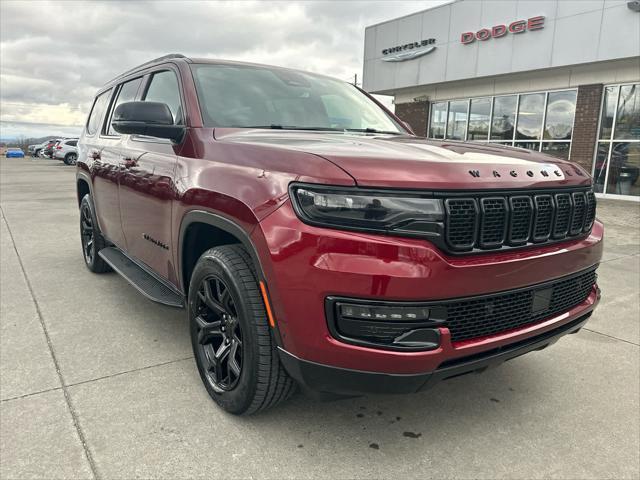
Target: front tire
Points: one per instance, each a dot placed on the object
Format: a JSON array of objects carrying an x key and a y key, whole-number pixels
[
  {"x": 91, "y": 238},
  {"x": 232, "y": 343}
]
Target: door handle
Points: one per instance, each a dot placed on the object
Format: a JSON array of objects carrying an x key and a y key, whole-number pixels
[{"x": 128, "y": 162}]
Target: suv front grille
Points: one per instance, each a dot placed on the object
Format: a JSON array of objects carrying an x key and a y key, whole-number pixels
[
  {"x": 487, "y": 315},
  {"x": 490, "y": 221}
]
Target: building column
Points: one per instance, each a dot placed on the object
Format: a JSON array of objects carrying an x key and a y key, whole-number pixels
[
  {"x": 415, "y": 114},
  {"x": 585, "y": 130}
]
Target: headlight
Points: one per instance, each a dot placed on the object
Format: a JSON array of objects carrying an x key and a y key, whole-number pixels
[{"x": 361, "y": 209}]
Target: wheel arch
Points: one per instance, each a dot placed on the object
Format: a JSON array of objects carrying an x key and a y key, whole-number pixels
[
  {"x": 216, "y": 230},
  {"x": 83, "y": 186}
]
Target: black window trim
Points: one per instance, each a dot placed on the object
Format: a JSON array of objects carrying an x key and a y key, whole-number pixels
[
  {"x": 95, "y": 100},
  {"x": 104, "y": 130}
]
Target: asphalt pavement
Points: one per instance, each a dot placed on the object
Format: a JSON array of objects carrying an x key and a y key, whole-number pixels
[{"x": 98, "y": 382}]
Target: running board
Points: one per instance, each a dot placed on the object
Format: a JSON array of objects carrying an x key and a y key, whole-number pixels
[{"x": 144, "y": 281}]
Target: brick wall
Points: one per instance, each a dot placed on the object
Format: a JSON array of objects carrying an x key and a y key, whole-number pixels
[
  {"x": 415, "y": 114},
  {"x": 585, "y": 130}
]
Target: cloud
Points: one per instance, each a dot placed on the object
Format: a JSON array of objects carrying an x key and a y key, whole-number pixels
[{"x": 55, "y": 55}]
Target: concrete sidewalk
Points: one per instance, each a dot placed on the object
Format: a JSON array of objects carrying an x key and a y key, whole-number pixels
[{"x": 98, "y": 382}]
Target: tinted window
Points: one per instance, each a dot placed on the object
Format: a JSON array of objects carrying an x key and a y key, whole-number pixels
[
  {"x": 457, "y": 123},
  {"x": 127, "y": 93},
  {"x": 530, "y": 117},
  {"x": 164, "y": 88},
  {"x": 99, "y": 106},
  {"x": 608, "y": 111},
  {"x": 504, "y": 115},
  {"x": 628, "y": 120},
  {"x": 561, "y": 108},
  {"x": 252, "y": 97},
  {"x": 72, "y": 143},
  {"x": 479, "y": 119},
  {"x": 438, "y": 120}
]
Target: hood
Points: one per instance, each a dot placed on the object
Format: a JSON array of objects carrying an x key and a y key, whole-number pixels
[{"x": 413, "y": 162}]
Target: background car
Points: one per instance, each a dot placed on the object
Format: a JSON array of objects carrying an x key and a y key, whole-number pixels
[
  {"x": 67, "y": 151},
  {"x": 47, "y": 151},
  {"x": 14, "y": 153}
]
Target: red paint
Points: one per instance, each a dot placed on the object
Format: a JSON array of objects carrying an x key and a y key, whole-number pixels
[{"x": 244, "y": 175}]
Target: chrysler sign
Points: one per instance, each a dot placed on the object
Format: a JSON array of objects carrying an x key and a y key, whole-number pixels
[{"x": 408, "y": 51}]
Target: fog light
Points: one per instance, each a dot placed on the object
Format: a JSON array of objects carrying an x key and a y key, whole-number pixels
[
  {"x": 389, "y": 325},
  {"x": 403, "y": 314}
]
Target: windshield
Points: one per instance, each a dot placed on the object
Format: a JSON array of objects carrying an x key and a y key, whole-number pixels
[{"x": 260, "y": 97}]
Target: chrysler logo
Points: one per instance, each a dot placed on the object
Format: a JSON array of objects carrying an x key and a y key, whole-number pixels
[{"x": 408, "y": 51}]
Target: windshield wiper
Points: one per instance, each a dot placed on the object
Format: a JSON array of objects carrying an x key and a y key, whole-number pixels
[
  {"x": 275, "y": 126},
  {"x": 371, "y": 130}
]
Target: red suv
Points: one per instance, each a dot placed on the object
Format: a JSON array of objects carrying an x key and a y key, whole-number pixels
[{"x": 314, "y": 240}]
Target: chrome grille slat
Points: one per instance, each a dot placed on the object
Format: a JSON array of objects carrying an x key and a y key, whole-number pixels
[{"x": 495, "y": 220}]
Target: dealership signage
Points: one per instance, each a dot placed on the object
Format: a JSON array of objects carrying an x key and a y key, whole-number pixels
[
  {"x": 408, "y": 51},
  {"x": 519, "y": 26}
]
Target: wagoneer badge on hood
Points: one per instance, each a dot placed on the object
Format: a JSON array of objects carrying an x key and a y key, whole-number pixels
[{"x": 408, "y": 51}]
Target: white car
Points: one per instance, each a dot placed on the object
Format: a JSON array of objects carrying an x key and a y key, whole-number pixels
[{"x": 67, "y": 151}]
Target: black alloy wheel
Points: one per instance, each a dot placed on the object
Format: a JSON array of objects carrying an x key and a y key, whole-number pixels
[
  {"x": 219, "y": 346},
  {"x": 91, "y": 238},
  {"x": 233, "y": 346},
  {"x": 71, "y": 158},
  {"x": 87, "y": 234}
]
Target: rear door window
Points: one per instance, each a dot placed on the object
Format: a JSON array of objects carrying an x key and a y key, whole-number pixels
[
  {"x": 99, "y": 106},
  {"x": 127, "y": 93},
  {"x": 72, "y": 143},
  {"x": 164, "y": 88}
]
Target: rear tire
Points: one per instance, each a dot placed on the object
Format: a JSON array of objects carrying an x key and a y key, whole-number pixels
[
  {"x": 232, "y": 343},
  {"x": 70, "y": 159},
  {"x": 91, "y": 238}
]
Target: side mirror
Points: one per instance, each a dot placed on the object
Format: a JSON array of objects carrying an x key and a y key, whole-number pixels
[{"x": 153, "y": 119}]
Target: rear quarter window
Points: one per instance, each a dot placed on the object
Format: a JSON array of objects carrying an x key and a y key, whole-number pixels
[{"x": 97, "y": 112}]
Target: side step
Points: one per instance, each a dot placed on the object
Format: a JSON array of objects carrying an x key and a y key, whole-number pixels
[{"x": 144, "y": 281}]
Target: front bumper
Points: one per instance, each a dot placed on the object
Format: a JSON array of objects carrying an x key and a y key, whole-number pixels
[
  {"x": 303, "y": 265},
  {"x": 320, "y": 380}
]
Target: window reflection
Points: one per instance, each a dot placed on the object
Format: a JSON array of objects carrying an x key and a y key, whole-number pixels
[
  {"x": 600, "y": 167},
  {"x": 608, "y": 111},
  {"x": 457, "y": 123},
  {"x": 438, "y": 119},
  {"x": 557, "y": 149},
  {"x": 624, "y": 169},
  {"x": 479, "y": 118},
  {"x": 530, "y": 113},
  {"x": 561, "y": 109},
  {"x": 628, "y": 120},
  {"x": 504, "y": 110}
]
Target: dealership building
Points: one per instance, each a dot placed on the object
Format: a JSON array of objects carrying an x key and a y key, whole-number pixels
[{"x": 557, "y": 76}]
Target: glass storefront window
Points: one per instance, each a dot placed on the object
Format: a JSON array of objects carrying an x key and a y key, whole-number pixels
[
  {"x": 528, "y": 145},
  {"x": 457, "y": 123},
  {"x": 530, "y": 113},
  {"x": 504, "y": 115},
  {"x": 561, "y": 109},
  {"x": 479, "y": 119},
  {"x": 628, "y": 119},
  {"x": 608, "y": 111},
  {"x": 600, "y": 167},
  {"x": 557, "y": 149},
  {"x": 438, "y": 120},
  {"x": 624, "y": 169},
  {"x": 617, "y": 162}
]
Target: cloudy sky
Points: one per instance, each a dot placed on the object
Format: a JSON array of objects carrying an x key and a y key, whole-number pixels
[{"x": 55, "y": 55}]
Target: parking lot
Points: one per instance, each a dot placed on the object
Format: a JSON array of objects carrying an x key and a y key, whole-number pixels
[{"x": 98, "y": 382}]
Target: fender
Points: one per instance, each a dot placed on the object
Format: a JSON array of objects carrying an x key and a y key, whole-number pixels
[
  {"x": 229, "y": 226},
  {"x": 223, "y": 223}
]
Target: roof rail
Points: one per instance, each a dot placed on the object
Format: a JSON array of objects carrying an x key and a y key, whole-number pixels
[{"x": 150, "y": 62}]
